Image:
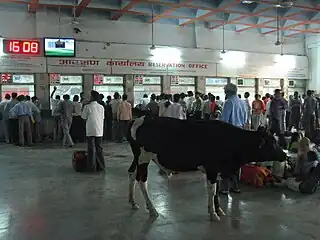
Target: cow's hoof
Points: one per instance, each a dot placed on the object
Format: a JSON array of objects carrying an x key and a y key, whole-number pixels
[
  {"x": 214, "y": 217},
  {"x": 153, "y": 213},
  {"x": 134, "y": 206},
  {"x": 220, "y": 212}
]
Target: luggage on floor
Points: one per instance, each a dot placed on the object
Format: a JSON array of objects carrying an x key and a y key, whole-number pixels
[
  {"x": 79, "y": 161},
  {"x": 311, "y": 184},
  {"x": 255, "y": 175}
]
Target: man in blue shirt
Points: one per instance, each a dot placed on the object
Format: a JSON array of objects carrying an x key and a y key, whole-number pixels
[
  {"x": 234, "y": 112},
  {"x": 234, "y": 109},
  {"x": 23, "y": 112}
]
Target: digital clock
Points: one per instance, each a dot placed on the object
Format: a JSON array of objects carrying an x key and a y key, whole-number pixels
[{"x": 24, "y": 47}]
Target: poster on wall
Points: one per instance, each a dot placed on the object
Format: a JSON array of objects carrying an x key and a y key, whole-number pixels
[
  {"x": 174, "y": 80},
  {"x": 54, "y": 78},
  {"x": 6, "y": 78},
  {"x": 97, "y": 79},
  {"x": 78, "y": 65},
  {"x": 22, "y": 64},
  {"x": 138, "y": 80}
]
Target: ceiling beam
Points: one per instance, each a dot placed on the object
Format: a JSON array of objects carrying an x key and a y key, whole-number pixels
[
  {"x": 243, "y": 17},
  {"x": 273, "y": 20},
  {"x": 293, "y": 26},
  {"x": 124, "y": 9},
  {"x": 314, "y": 31},
  {"x": 170, "y": 10},
  {"x": 33, "y": 6},
  {"x": 213, "y": 11},
  {"x": 81, "y": 6}
]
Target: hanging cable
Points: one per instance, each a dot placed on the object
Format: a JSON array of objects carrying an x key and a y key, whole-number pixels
[
  {"x": 223, "y": 50},
  {"x": 152, "y": 27}
]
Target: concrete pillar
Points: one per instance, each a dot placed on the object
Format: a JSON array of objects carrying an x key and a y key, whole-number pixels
[
  {"x": 314, "y": 68},
  {"x": 87, "y": 85},
  {"x": 201, "y": 84},
  {"x": 42, "y": 89},
  {"x": 128, "y": 87},
  {"x": 256, "y": 85},
  {"x": 260, "y": 86},
  {"x": 166, "y": 84}
]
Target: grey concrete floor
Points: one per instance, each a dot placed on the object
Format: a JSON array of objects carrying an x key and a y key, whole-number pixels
[{"x": 43, "y": 198}]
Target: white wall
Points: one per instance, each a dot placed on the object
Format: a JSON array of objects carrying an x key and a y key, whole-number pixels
[{"x": 97, "y": 29}]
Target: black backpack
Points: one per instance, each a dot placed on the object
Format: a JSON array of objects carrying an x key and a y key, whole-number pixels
[{"x": 311, "y": 184}]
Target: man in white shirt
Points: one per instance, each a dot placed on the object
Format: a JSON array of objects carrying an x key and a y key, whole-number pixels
[
  {"x": 175, "y": 109},
  {"x": 189, "y": 101},
  {"x": 55, "y": 103},
  {"x": 93, "y": 113},
  {"x": 144, "y": 102}
]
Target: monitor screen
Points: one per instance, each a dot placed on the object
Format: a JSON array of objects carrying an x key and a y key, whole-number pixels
[{"x": 59, "y": 47}]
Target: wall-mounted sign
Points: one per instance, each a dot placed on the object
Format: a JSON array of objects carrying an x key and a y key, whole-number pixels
[
  {"x": 174, "y": 80},
  {"x": 22, "y": 64},
  {"x": 138, "y": 80},
  {"x": 97, "y": 79},
  {"x": 6, "y": 78},
  {"x": 54, "y": 78},
  {"x": 78, "y": 65}
]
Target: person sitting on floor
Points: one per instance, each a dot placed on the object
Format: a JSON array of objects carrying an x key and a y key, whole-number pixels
[{"x": 293, "y": 145}]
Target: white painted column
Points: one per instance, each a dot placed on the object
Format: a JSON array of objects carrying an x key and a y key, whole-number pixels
[
  {"x": 166, "y": 84},
  {"x": 42, "y": 89},
  {"x": 201, "y": 84},
  {"x": 128, "y": 87},
  {"x": 87, "y": 85},
  {"x": 314, "y": 68}
]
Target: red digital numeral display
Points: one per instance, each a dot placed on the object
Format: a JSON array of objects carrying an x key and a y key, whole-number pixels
[{"x": 26, "y": 47}]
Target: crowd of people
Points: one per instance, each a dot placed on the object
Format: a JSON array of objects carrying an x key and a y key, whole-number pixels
[{"x": 94, "y": 120}]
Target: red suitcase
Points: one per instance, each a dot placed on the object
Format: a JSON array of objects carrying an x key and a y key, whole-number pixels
[{"x": 79, "y": 161}]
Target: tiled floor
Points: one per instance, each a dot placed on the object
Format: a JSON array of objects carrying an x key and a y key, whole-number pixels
[{"x": 43, "y": 198}]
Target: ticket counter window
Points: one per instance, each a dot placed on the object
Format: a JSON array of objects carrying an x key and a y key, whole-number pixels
[
  {"x": 108, "y": 85},
  {"x": 270, "y": 85},
  {"x": 182, "y": 84},
  {"x": 246, "y": 85},
  {"x": 71, "y": 85},
  {"x": 298, "y": 85},
  {"x": 216, "y": 86},
  {"x": 22, "y": 84},
  {"x": 146, "y": 85}
]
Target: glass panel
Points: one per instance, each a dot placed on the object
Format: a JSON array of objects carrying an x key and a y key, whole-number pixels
[
  {"x": 151, "y": 80},
  {"x": 249, "y": 82},
  {"x": 112, "y": 80},
  {"x": 216, "y": 91},
  {"x": 70, "y": 79},
  {"x": 216, "y": 81},
  {"x": 181, "y": 89},
  {"x": 187, "y": 80},
  {"x": 23, "y": 78},
  {"x": 251, "y": 90},
  {"x": 108, "y": 90},
  {"x": 298, "y": 83},
  {"x": 269, "y": 90},
  {"x": 139, "y": 91},
  {"x": 299, "y": 90},
  {"x": 67, "y": 89},
  {"x": 20, "y": 89},
  {"x": 272, "y": 83}
]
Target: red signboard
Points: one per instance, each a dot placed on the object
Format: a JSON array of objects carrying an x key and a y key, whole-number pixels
[
  {"x": 6, "y": 78},
  {"x": 138, "y": 80},
  {"x": 54, "y": 78},
  {"x": 98, "y": 79}
]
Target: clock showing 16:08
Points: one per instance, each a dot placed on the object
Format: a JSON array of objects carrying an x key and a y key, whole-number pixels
[{"x": 23, "y": 47}]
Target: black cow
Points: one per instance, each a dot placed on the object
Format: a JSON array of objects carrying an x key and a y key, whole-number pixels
[{"x": 182, "y": 145}]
